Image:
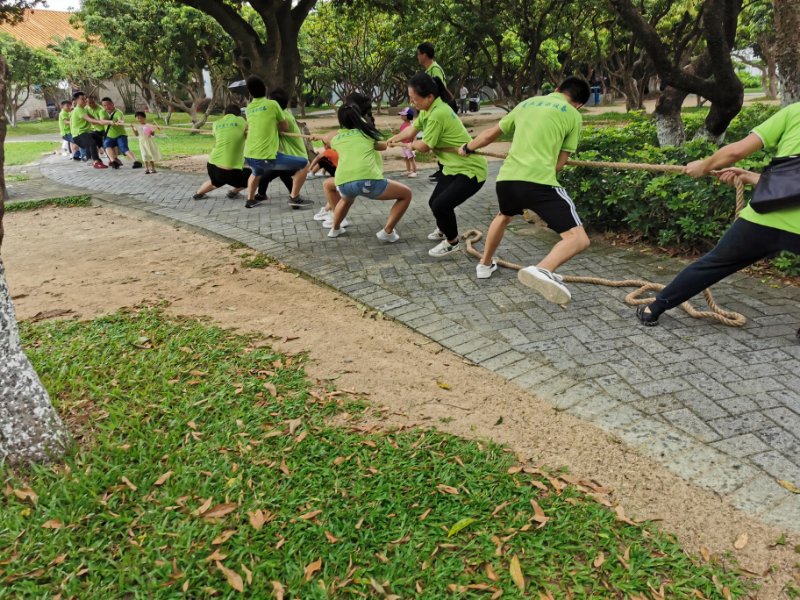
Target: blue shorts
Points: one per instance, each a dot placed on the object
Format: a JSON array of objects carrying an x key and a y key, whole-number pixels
[
  {"x": 120, "y": 142},
  {"x": 67, "y": 138},
  {"x": 260, "y": 166},
  {"x": 369, "y": 188},
  {"x": 287, "y": 162}
]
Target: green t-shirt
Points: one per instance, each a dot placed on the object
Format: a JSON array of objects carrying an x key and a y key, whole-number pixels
[
  {"x": 114, "y": 131},
  {"x": 229, "y": 134},
  {"x": 63, "y": 122},
  {"x": 441, "y": 128},
  {"x": 435, "y": 70},
  {"x": 263, "y": 116},
  {"x": 358, "y": 158},
  {"x": 96, "y": 113},
  {"x": 293, "y": 146},
  {"x": 77, "y": 124},
  {"x": 782, "y": 133},
  {"x": 542, "y": 127}
]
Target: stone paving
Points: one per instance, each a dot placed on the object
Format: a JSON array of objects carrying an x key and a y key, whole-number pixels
[{"x": 720, "y": 406}]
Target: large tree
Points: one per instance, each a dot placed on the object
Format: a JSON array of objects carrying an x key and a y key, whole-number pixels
[
  {"x": 265, "y": 34},
  {"x": 787, "y": 42},
  {"x": 30, "y": 70},
  {"x": 686, "y": 66},
  {"x": 30, "y": 430}
]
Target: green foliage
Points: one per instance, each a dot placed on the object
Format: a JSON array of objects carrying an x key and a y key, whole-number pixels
[
  {"x": 85, "y": 65},
  {"x": 65, "y": 201},
  {"x": 29, "y": 70},
  {"x": 179, "y": 420}
]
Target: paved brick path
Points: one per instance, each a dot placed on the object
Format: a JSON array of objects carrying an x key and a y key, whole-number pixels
[{"x": 719, "y": 406}]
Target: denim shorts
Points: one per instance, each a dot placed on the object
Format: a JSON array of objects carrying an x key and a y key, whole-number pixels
[
  {"x": 260, "y": 166},
  {"x": 121, "y": 143},
  {"x": 67, "y": 138},
  {"x": 369, "y": 188}
]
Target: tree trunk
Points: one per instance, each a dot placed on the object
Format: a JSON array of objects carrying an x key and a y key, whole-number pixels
[
  {"x": 30, "y": 430},
  {"x": 669, "y": 124},
  {"x": 787, "y": 48}
]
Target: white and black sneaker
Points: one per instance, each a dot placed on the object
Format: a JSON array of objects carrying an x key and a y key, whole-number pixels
[
  {"x": 436, "y": 235},
  {"x": 444, "y": 248},
  {"x": 485, "y": 271},
  {"x": 546, "y": 283}
]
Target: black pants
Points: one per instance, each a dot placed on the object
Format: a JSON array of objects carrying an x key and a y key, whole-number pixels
[
  {"x": 87, "y": 142},
  {"x": 742, "y": 245},
  {"x": 284, "y": 176},
  {"x": 451, "y": 191}
]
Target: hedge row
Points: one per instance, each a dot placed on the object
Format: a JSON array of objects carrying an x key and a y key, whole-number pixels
[{"x": 667, "y": 210}]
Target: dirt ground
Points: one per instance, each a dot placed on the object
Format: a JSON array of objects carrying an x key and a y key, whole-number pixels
[{"x": 96, "y": 260}]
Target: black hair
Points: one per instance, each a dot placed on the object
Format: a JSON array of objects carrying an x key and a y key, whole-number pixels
[
  {"x": 350, "y": 117},
  {"x": 107, "y": 99},
  {"x": 256, "y": 86},
  {"x": 140, "y": 113},
  {"x": 363, "y": 104},
  {"x": 425, "y": 85},
  {"x": 576, "y": 88},
  {"x": 65, "y": 102},
  {"x": 77, "y": 95},
  {"x": 281, "y": 97},
  {"x": 233, "y": 109},
  {"x": 427, "y": 49}
]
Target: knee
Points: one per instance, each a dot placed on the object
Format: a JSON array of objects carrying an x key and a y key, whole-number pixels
[
  {"x": 578, "y": 239},
  {"x": 583, "y": 241}
]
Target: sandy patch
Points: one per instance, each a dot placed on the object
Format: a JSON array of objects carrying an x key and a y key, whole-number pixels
[{"x": 96, "y": 260}]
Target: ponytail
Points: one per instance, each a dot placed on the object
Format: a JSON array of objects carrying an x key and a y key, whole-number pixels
[{"x": 350, "y": 117}]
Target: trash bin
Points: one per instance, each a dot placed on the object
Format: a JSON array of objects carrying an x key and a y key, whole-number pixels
[{"x": 474, "y": 104}]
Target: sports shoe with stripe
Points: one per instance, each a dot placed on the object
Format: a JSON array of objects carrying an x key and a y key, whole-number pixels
[{"x": 546, "y": 283}]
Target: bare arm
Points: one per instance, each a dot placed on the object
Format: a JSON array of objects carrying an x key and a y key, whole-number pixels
[
  {"x": 381, "y": 145},
  {"x": 725, "y": 156},
  {"x": 728, "y": 175},
  {"x": 484, "y": 138},
  {"x": 563, "y": 157},
  {"x": 408, "y": 134},
  {"x": 283, "y": 126}
]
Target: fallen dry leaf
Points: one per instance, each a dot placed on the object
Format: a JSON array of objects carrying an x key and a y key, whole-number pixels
[
  {"x": 216, "y": 555},
  {"x": 163, "y": 479},
  {"x": 270, "y": 387},
  {"x": 490, "y": 572},
  {"x": 447, "y": 489},
  {"x": 621, "y": 515},
  {"x": 424, "y": 515},
  {"x": 220, "y": 510},
  {"x": 332, "y": 539},
  {"x": 538, "y": 514},
  {"x": 233, "y": 578},
  {"x": 128, "y": 483},
  {"x": 284, "y": 468},
  {"x": 516, "y": 573},
  {"x": 789, "y": 486},
  {"x": 312, "y": 568},
  {"x": 248, "y": 574},
  {"x": 26, "y": 494},
  {"x": 57, "y": 560},
  {"x": 443, "y": 385},
  {"x": 599, "y": 560},
  {"x": 704, "y": 552},
  {"x": 204, "y": 506},
  {"x": 741, "y": 541},
  {"x": 223, "y": 537},
  {"x": 52, "y": 524},
  {"x": 257, "y": 518},
  {"x": 278, "y": 590},
  {"x": 310, "y": 515}
]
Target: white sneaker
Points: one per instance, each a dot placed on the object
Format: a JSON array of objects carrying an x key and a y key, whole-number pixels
[
  {"x": 546, "y": 283},
  {"x": 323, "y": 214},
  {"x": 443, "y": 249},
  {"x": 436, "y": 235},
  {"x": 412, "y": 175},
  {"x": 388, "y": 237},
  {"x": 485, "y": 271},
  {"x": 334, "y": 233},
  {"x": 328, "y": 222}
]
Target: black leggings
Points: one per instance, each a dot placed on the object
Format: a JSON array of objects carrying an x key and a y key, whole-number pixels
[
  {"x": 451, "y": 191},
  {"x": 742, "y": 245},
  {"x": 87, "y": 142},
  {"x": 284, "y": 176}
]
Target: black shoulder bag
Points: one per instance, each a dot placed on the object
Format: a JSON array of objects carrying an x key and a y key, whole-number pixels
[{"x": 779, "y": 186}]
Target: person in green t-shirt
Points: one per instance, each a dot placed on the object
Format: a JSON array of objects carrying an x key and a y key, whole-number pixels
[
  {"x": 115, "y": 140},
  {"x": 290, "y": 145},
  {"x": 225, "y": 162},
  {"x": 80, "y": 125},
  {"x": 545, "y": 132},
  {"x": 462, "y": 176},
  {"x": 753, "y": 236},
  {"x": 360, "y": 173},
  {"x": 265, "y": 120},
  {"x": 64, "y": 129}
]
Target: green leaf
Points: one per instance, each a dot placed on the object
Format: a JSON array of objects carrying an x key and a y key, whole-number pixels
[{"x": 460, "y": 526}]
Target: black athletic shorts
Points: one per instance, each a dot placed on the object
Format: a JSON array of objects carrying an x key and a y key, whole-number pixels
[
  {"x": 552, "y": 204},
  {"x": 236, "y": 178}
]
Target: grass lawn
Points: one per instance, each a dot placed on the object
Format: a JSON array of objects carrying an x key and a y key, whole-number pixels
[
  {"x": 65, "y": 201},
  {"x": 206, "y": 463},
  {"x": 23, "y": 153}
]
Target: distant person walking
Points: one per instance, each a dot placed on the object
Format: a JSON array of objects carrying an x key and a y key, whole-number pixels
[{"x": 463, "y": 99}]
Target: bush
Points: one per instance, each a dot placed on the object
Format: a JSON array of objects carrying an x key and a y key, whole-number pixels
[{"x": 666, "y": 210}]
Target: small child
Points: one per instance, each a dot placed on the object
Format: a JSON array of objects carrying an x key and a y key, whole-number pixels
[
  {"x": 144, "y": 131},
  {"x": 407, "y": 114}
]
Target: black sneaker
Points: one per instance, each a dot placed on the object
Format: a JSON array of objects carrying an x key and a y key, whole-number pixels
[
  {"x": 434, "y": 177},
  {"x": 299, "y": 202},
  {"x": 136, "y": 165},
  {"x": 252, "y": 203},
  {"x": 261, "y": 197},
  {"x": 78, "y": 158},
  {"x": 232, "y": 194},
  {"x": 199, "y": 197}
]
